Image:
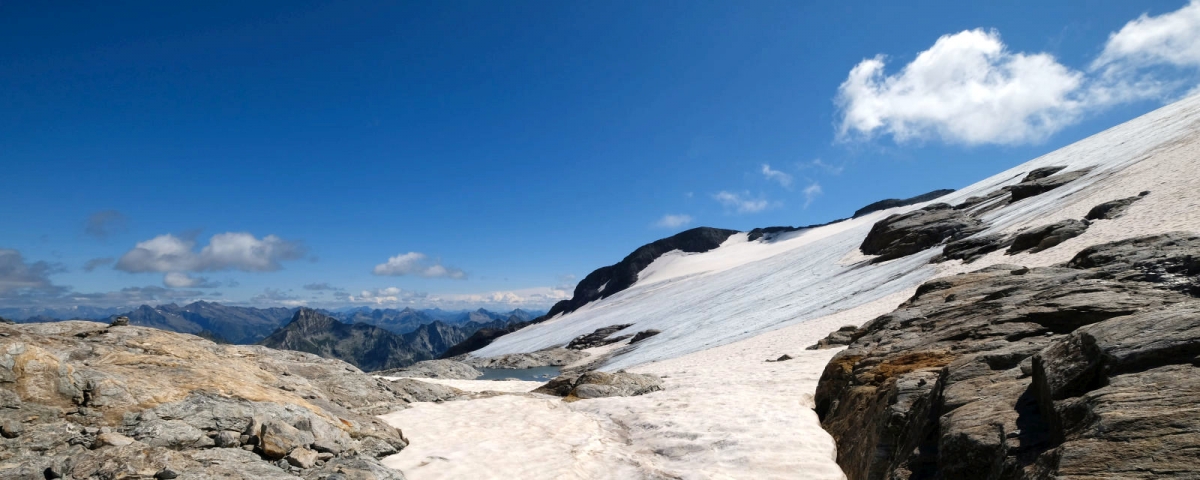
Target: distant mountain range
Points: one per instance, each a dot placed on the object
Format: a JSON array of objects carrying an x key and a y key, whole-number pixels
[{"x": 371, "y": 347}]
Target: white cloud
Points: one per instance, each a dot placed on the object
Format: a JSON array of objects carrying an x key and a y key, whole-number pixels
[
  {"x": 183, "y": 280},
  {"x": 393, "y": 297},
  {"x": 741, "y": 203},
  {"x": 673, "y": 221},
  {"x": 416, "y": 263},
  {"x": 776, "y": 175},
  {"x": 811, "y": 192},
  {"x": 225, "y": 251},
  {"x": 826, "y": 167},
  {"x": 1172, "y": 38},
  {"x": 967, "y": 88}
]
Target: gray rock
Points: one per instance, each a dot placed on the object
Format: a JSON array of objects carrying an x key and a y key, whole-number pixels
[
  {"x": 644, "y": 334},
  {"x": 119, "y": 321},
  {"x": 1113, "y": 209},
  {"x": 555, "y": 357},
  {"x": 279, "y": 439},
  {"x": 1030, "y": 187},
  {"x": 1047, "y": 236},
  {"x": 451, "y": 369},
  {"x": 559, "y": 386},
  {"x": 974, "y": 247},
  {"x": 619, "y": 384},
  {"x": 112, "y": 439},
  {"x": 839, "y": 337},
  {"x": 302, "y": 457},
  {"x": 599, "y": 337},
  {"x": 228, "y": 439},
  {"x": 905, "y": 234},
  {"x": 1083, "y": 370}
]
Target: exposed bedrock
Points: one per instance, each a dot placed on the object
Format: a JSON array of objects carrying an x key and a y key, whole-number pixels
[
  {"x": 89, "y": 400},
  {"x": 1038, "y": 182},
  {"x": 549, "y": 357},
  {"x": 973, "y": 248},
  {"x": 908, "y": 233},
  {"x": 576, "y": 386},
  {"x": 451, "y": 369},
  {"x": 1082, "y": 370},
  {"x": 600, "y": 337},
  {"x": 837, "y": 338},
  {"x": 1047, "y": 236},
  {"x": 1113, "y": 209}
]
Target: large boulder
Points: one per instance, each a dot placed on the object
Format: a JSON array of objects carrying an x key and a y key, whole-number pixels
[
  {"x": 1113, "y": 208},
  {"x": 905, "y": 234},
  {"x": 451, "y": 369},
  {"x": 1029, "y": 373},
  {"x": 600, "y": 337},
  {"x": 1039, "y": 182}
]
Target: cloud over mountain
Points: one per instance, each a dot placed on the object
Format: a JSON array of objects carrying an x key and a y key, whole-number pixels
[
  {"x": 417, "y": 264},
  {"x": 225, "y": 251}
]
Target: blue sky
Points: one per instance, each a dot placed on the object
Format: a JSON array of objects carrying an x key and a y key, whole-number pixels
[{"x": 463, "y": 154}]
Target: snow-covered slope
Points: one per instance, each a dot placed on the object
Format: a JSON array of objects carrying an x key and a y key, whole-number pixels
[{"x": 744, "y": 288}]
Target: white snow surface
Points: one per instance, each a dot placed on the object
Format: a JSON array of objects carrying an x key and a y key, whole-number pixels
[
  {"x": 743, "y": 288},
  {"x": 724, "y": 413}
]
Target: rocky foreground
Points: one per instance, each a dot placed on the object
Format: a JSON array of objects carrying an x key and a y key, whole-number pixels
[
  {"x": 88, "y": 400},
  {"x": 1085, "y": 370}
]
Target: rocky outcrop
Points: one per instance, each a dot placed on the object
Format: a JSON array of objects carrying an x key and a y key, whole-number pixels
[
  {"x": 840, "y": 337},
  {"x": 975, "y": 247},
  {"x": 1082, "y": 370},
  {"x": 905, "y": 234},
  {"x": 86, "y": 400},
  {"x": 550, "y": 357},
  {"x": 1113, "y": 209},
  {"x": 600, "y": 337},
  {"x": 1041, "y": 181},
  {"x": 365, "y": 346},
  {"x": 1041, "y": 238},
  {"x": 606, "y": 281},
  {"x": 901, "y": 202},
  {"x": 597, "y": 384},
  {"x": 451, "y": 369},
  {"x": 644, "y": 334}
]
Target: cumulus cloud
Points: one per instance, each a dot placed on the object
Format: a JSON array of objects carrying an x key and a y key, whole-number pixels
[
  {"x": 395, "y": 297},
  {"x": 418, "y": 264},
  {"x": 97, "y": 263},
  {"x": 104, "y": 223},
  {"x": 967, "y": 88},
  {"x": 673, "y": 221},
  {"x": 225, "y": 251},
  {"x": 1172, "y": 39},
  {"x": 388, "y": 296},
  {"x": 784, "y": 179},
  {"x": 741, "y": 203},
  {"x": 183, "y": 280}
]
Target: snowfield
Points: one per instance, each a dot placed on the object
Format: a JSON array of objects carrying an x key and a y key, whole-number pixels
[{"x": 724, "y": 412}]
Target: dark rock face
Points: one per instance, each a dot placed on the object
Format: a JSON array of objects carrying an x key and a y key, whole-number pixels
[
  {"x": 1083, "y": 370},
  {"x": 973, "y": 248},
  {"x": 905, "y": 234},
  {"x": 1113, "y": 209},
  {"x": 599, "y": 338},
  {"x": 606, "y": 281},
  {"x": 85, "y": 400},
  {"x": 1047, "y": 236},
  {"x": 601, "y": 384},
  {"x": 1039, "y": 182},
  {"x": 365, "y": 346},
  {"x": 644, "y": 334},
  {"x": 839, "y": 337},
  {"x": 900, "y": 202}
]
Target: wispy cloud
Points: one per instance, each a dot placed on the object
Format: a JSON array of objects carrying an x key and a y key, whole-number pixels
[
  {"x": 417, "y": 264},
  {"x": 320, "y": 287},
  {"x": 823, "y": 166},
  {"x": 811, "y": 192},
  {"x": 271, "y": 296},
  {"x": 104, "y": 223},
  {"x": 782, "y": 178},
  {"x": 183, "y": 280},
  {"x": 673, "y": 221},
  {"x": 741, "y": 203},
  {"x": 95, "y": 263}
]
